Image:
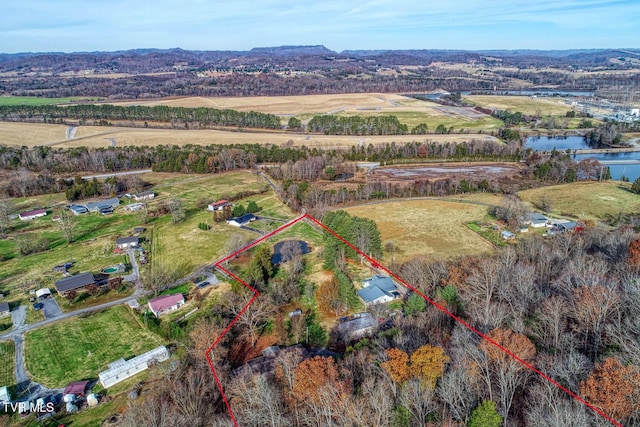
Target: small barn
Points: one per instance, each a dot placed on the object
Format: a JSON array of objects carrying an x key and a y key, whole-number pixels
[
  {"x": 122, "y": 369},
  {"x": 145, "y": 195},
  {"x": 29, "y": 215},
  {"x": 127, "y": 242},
  {"x": 165, "y": 304},
  {"x": 76, "y": 282},
  {"x": 219, "y": 205},
  {"x": 5, "y": 310},
  {"x": 240, "y": 221}
]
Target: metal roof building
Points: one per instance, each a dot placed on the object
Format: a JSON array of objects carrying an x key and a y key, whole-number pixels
[{"x": 122, "y": 369}]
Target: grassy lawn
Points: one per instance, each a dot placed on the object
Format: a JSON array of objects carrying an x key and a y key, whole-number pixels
[
  {"x": 91, "y": 251},
  {"x": 34, "y": 100},
  {"x": 433, "y": 228},
  {"x": 84, "y": 300},
  {"x": 302, "y": 231},
  {"x": 7, "y": 363},
  {"x": 76, "y": 349},
  {"x": 525, "y": 104},
  {"x": 491, "y": 235},
  {"x": 589, "y": 200}
]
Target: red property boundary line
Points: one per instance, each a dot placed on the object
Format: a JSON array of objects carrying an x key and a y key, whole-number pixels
[{"x": 378, "y": 265}]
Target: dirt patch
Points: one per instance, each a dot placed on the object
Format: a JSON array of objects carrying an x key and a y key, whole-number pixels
[{"x": 443, "y": 170}]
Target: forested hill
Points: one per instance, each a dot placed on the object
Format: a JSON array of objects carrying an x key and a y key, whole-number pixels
[{"x": 304, "y": 70}]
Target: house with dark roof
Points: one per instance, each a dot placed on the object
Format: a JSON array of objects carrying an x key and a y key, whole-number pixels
[
  {"x": 240, "y": 221},
  {"x": 5, "y": 310},
  {"x": 267, "y": 362},
  {"x": 76, "y": 282},
  {"x": 165, "y": 303},
  {"x": 127, "y": 242},
  {"x": 145, "y": 195},
  {"x": 77, "y": 388},
  {"x": 219, "y": 205},
  {"x": 78, "y": 209},
  {"x": 29, "y": 215},
  {"x": 356, "y": 327},
  {"x": 103, "y": 205},
  {"x": 378, "y": 290}
]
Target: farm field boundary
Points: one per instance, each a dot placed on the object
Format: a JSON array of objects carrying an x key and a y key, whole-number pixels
[{"x": 376, "y": 264}]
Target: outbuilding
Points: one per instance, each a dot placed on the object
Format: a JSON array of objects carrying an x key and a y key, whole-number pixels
[
  {"x": 507, "y": 235},
  {"x": 43, "y": 293},
  {"x": 145, "y": 195},
  {"x": 219, "y": 205},
  {"x": 77, "y": 388},
  {"x": 29, "y": 215},
  {"x": 5, "y": 394}
]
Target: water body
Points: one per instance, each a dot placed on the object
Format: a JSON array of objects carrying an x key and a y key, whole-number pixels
[{"x": 627, "y": 163}]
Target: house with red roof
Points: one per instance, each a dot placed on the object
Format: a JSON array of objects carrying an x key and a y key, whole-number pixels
[
  {"x": 165, "y": 303},
  {"x": 29, "y": 215},
  {"x": 219, "y": 205}
]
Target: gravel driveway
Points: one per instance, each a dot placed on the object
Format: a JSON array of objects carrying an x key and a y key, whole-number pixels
[
  {"x": 51, "y": 308},
  {"x": 18, "y": 316}
]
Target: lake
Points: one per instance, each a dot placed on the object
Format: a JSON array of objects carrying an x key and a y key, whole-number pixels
[{"x": 627, "y": 163}]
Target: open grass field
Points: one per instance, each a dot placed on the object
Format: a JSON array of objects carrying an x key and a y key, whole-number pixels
[
  {"x": 35, "y": 134},
  {"x": 33, "y": 100},
  {"x": 76, "y": 349},
  {"x": 7, "y": 363},
  {"x": 92, "y": 249},
  {"x": 525, "y": 104},
  {"x": 592, "y": 200},
  {"x": 431, "y": 228}
]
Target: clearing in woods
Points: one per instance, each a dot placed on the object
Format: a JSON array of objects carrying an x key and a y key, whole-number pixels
[
  {"x": 433, "y": 228},
  {"x": 78, "y": 348},
  {"x": 603, "y": 200}
]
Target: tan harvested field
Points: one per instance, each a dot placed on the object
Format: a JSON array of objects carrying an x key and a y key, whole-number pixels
[
  {"x": 587, "y": 199},
  {"x": 524, "y": 104},
  {"x": 97, "y": 136},
  {"x": 433, "y": 228},
  {"x": 442, "y": 170}
]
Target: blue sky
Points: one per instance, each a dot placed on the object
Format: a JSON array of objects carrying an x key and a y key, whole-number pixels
[{"x": 73, "y": 25}]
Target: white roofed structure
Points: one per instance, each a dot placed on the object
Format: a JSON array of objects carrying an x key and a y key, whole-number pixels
[{"x": 122, "y": 369}]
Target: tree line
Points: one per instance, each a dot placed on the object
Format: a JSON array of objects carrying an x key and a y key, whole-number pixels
[{"x": 101, "y": 114}]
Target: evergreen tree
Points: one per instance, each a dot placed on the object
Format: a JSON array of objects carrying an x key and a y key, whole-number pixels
[{"x": 485, "y": 415}]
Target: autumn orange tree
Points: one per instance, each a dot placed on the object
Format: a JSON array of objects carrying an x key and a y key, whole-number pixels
[
  {"x": 315, "y": 377},
  {"x": 428, "y": 363},
  {"x": 634, "y": 253},
  {"x": 614, "y": 388},
  {"x": 397, "y": 365},
  {"x": 328, "y": 297}
]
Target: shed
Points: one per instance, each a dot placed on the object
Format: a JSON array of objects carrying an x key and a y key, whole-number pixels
[
  {"x": 74, "y": 282},
  {"x": 77, "y": 388},
  {"x": 43, "y": 293},
  {"x": 29, "y": 215},
  {"x": 241, "y": 220},
  {"x": 5, "y": 310},
  {"x": 127, "y": 242}
]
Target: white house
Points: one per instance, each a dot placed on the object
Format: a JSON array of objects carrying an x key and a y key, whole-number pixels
[
  {"x": 29, "y": 215},
  {"x": 5, "y": 395},
  {"x": 536, "y": 220},
  {"x": 165, "y": 304},
  {"x": 127, "y": 242},
  {"x": 219, "y": 205},
  {"x": 145, "y": 195},
  {"x": 239, "y": 221}
]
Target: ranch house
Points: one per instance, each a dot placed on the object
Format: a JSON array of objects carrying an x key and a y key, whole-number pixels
[
  {"x": 240, "y": 221},
  {"x": 127, "y": 242},
  {"x": 378, "y": 290},
  {"x": 536, "y": 220},
  {"x": 165, "y": 304},
  {"x": 76, "y": 282},
  {"x": 29, "y": 215}
]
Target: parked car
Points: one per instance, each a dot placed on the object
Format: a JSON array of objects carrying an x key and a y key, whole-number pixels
[
  {"x": 204, "y": 284},
  {"x": 38, "y": 306}
]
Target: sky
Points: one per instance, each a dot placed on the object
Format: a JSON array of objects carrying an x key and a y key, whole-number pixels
[{"x": 108, "y": 25}]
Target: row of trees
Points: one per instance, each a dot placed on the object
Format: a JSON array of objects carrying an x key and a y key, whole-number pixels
[{"x": 100, "y": 113}]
